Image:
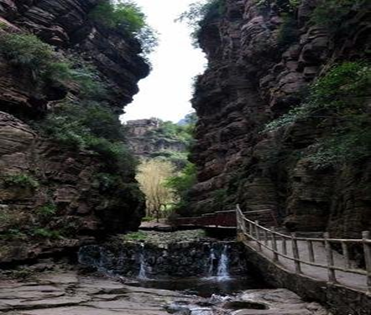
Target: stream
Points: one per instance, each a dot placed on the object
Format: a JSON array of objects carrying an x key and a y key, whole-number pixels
[{"x": 199, "y": 276}]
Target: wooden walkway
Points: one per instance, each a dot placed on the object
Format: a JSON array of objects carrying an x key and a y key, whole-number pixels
[{"x": 311, "y": 257}]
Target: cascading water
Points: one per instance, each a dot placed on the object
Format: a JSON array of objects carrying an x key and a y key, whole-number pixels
[
  {"x": 223, "y": 265},
  {"x": 142, "y": 270},
  {"x": 210, "y": 271}
]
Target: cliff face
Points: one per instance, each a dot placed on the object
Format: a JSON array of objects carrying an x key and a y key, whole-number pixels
[
  {"x": 39, "y": 173},
  {"x": 146, "y": 139},
  {"x": 254, "y": 77}
]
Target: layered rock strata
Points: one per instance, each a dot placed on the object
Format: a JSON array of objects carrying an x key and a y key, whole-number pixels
[
  {"x": 253, "y": 78},
  {"x": 146, "y": 141},
  {"x": 63, "y": 178}
]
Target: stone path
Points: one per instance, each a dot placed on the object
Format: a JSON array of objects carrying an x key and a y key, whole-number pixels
[
  {"x": 67, "y": 293},
  {"x": 348, "y": 279}
]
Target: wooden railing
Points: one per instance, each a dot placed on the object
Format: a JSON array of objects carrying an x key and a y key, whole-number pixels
[{"x": 284, "y": 246}]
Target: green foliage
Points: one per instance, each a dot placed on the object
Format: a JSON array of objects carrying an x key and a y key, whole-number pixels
[
  {"x": 30, "y": 53},
  {"x": 13, "y": 235},
  {"x": 219, "y": 198},
  {"x": 46, "y": 233},
  {"x": 343, "y": 147},
  {"x": 288, "y": 32},
  {"x": 21, "y": 180},
  {"x": 332, "y": 13},
  {"x": 340, "y": 96},
  {"x": 182, "y": 183},
  {"x": 93, "y": 127},
  {"x": 46, "y": 211},
  {"x": 127, "y": 16},
  {"x": 200, "y": 13},
  {"x": 148, "y": 219},
  {"x": 135, "y": 236},
  {"x": 284, "y": 6}
]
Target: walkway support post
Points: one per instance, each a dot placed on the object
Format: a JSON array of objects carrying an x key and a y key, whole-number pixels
[
  {"x": 295, "y": 250},
  {"x": 274, "y": 244},
  {"x": 367, "y": 252},
  {"x": 330, "y": 259},
  {"x": 310, "y": 251},
  {"x": 258, "y": 235},
  {"x": 238, "y": 220},
  {"x": 284, "y": 245},
  {"x": 345, "y": 250},
  {"x": 266, "y": 238}
]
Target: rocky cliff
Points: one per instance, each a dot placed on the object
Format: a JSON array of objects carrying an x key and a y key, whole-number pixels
[
  {"x": 54, "y": 195},
  {"x": 263, "y": 57},
  {"x": 154, "y": 138}
]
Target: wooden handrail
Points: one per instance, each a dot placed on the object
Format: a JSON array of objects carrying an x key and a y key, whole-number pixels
[{"x": 261, "y": 235}]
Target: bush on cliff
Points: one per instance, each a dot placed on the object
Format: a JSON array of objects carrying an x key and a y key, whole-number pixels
[
  {"x": 28, "y": 51},
  {"x": 332, "y": 13},
  {"x": 128, "y": 17},
  {"x": 47, "y": 67},
  {"x": 199, "y": 14},
  {"x": 21, "y": 180},
  {"x": 181, "y": 184},
  {"x": 90, "y": 126},
  {"x": 338, "y": 99}
]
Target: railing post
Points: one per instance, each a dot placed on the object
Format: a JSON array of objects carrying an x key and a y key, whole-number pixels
[
  {"x": 367, "y": 252},
  {"x": 330, "y": 259},
  {"x": 310, "y": 251},
  {"x": 258, "y": 235},
  {"x": 266, "y": 238},
  {"x": 238, "y": 220},
  {"x": 345, "y": 250},
  {"x": 295, "y": 250},
  {"x": 284, "y": 245},
  {"x": 251, "y": 230},
  {"x": 274, "y": 244}
]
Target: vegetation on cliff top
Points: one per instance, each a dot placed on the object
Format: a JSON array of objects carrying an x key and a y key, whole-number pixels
[
  {"x": 338, "y": 99},
  {"x": 126, "y": 16},
  {"x": 27, "y": 52},
  {"x": 199, "y": 14}
]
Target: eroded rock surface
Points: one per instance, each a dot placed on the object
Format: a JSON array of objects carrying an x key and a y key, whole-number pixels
[
  {"x": 253, "y": 78},
  {"x": 61, "y": 293},
  {"x": 37, "y": 172}
]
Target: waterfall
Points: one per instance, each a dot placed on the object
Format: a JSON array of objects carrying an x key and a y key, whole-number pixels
[
  {"x": 210, "y": 272},
  {"x": 142, "y": 270},
  {"x": 223, "y": 265}
]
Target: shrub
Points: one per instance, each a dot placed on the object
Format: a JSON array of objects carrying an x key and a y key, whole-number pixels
[
  {"x": 46, "y": 233},
  {"x": 92, "y": 127},
  {"x": 47, "y": 210},
  {"x": 332, "y": 13},
  {"x": 338, "y": 97},
  {"x": 199, "y": 14},
  {"x": 28, "y": 51},
  {"x": 135, "y": 236},
  {"x": 126, "y": 16},
  {"x": 182, "y": 183},
  {"x": 284, "y": 6},
  {"x": 288, "y": 31},
  {"x": 21, "y": 180}
]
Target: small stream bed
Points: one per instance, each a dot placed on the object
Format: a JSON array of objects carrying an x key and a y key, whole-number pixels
[{"x": 203, "y": 287}]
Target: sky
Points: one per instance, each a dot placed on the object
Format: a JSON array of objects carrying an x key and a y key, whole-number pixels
[{"x": 167, "y": 91}]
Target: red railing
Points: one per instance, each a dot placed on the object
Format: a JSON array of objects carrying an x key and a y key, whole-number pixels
[{"x": 225, "y": 218}]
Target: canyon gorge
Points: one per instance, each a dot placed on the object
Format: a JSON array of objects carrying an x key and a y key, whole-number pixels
[{"x": 283, "y": 127}]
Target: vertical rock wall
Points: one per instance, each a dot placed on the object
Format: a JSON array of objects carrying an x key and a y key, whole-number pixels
[
  {"x": 65, "y": 178},
  {"x": 253, "y": 78}
]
